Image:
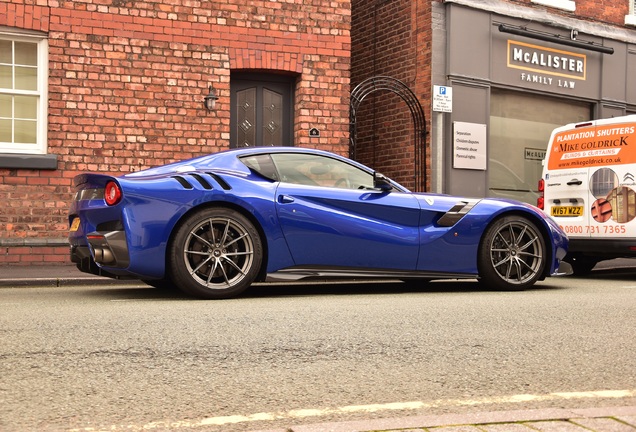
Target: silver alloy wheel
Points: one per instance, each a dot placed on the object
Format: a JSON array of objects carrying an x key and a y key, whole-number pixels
[
  {"x": 218, "y": 252},
  {"x": 517, "y": 252}
]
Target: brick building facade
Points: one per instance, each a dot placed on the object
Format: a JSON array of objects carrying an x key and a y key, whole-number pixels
[
  {"x": 456, "y": 45},
  {"x": 391, "y": 38},
  {"x": 121, "y": 86},
  {"x": 118, "y": 86}
]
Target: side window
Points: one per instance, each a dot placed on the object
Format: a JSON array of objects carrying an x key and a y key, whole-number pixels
[
  {"x": 314, "y": 170},
  {"x": 568, "y": 5},
  {"x": 23, "y": 97},
  {"x": 262, "y": 164}
]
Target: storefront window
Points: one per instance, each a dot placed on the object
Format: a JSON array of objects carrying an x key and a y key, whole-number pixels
[{"x": 520, "y": 127}]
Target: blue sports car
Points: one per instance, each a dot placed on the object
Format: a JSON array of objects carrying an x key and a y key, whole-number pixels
[{"x": 214, "y": 224}]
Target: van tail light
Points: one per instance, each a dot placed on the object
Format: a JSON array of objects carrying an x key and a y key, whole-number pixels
[
  {"x": 541, "y": 198},
  {"x": 112, "y": 193}
]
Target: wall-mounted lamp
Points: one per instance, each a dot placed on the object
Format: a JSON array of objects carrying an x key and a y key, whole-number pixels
[{"x": 210, "y": 100}]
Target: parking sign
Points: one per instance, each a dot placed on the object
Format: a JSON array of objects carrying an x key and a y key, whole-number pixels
[{"x": 442, "y": 98}]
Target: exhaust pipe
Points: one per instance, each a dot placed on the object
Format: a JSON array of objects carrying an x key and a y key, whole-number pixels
[{"x": 103, "y": 255}]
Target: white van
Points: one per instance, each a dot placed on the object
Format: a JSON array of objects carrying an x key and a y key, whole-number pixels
[{"x": 589, "y": 186}]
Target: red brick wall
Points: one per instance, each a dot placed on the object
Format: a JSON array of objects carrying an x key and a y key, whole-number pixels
[
  {"x": 391, "y": 39},
  {"x": 607, "y": 11},
  {"x": 126, "y": 86}
]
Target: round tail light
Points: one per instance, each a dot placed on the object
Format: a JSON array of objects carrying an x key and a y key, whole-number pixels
[{"x": 112, "y": 193}]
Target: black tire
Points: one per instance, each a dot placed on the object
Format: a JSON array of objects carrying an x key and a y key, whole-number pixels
[
  {"x": 512, "y": 254},
  {"x": 216, "y": 253}
]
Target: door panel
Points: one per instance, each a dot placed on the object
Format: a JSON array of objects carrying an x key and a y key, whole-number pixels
[
  {"x": 246, "y": 117},
  {"x": 349, "y": 228},
  {"x": 273, "y": 108}
]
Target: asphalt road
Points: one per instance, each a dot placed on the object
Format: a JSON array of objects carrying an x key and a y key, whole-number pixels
[{"x": 133, "y": 357}]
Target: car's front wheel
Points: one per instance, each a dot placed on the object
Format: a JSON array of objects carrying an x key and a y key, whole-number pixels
[
  {"x": 215, "y": 253},
  {"x": 512, "y": 255}
]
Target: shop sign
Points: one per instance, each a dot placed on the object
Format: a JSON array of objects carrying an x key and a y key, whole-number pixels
[
  {"x": 469, "y": 146},
  {"x": 546, "y": 66},
  {"x": 534, "y": 154}
]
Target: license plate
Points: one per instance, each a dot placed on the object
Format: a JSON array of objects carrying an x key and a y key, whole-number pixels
[
  {"x": 75, "y": 224},
  {"x": 567, "y": 211}
]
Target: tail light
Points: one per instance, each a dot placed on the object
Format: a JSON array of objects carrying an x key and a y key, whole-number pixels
[
  {"x": 112, "y": 193},
  {"x": 541, "y": 198}
]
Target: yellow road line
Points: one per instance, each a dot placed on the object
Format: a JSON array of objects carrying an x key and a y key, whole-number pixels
[{"x": 395, "y": 406}]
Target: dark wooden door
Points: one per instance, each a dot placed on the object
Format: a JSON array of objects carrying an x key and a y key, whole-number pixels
[{"x": 262, "y": 113}]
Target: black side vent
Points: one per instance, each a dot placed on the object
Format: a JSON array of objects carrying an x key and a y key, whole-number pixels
[
  {"x": 452, "y": 216},
  {"x": 202, "y": 181},
  {"x": 183, "y": 182},
  {"x": 110, "y": 226},
  {"x": 220, "y": 181}
]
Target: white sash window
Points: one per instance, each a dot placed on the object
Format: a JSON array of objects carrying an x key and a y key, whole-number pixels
[
  {"x": 23, "y": 93},
  {"x": 567, "y": 5},
  {"x": 631, "y": 18}
]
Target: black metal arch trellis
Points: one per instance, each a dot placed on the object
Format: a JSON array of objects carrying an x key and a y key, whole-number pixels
[{"x": 393, "y": 85}]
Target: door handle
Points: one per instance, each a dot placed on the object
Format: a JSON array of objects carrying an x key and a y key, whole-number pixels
[
  {"x": 285, "y": 199},
  {"x": 574, "y": 182}
]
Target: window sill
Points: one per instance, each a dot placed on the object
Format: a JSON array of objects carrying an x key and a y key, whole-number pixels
[
  {"x": 567, "y": 5},
  {"x": 630, "y": 20},
  {"x": 28, "y": 161}
]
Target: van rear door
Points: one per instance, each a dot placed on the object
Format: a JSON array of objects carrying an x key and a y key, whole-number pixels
[
  {"x": 566, "y": 180},
  {"x": 589, "y": 177}
]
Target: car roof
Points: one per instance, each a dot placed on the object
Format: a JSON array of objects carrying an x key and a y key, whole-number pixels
[{"x": 229, "y": 159}]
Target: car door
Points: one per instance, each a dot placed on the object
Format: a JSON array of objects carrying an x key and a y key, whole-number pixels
[{"x": 331, "y": 216}]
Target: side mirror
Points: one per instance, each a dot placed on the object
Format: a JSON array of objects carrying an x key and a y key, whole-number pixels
[{"x": 380, "y": 181}]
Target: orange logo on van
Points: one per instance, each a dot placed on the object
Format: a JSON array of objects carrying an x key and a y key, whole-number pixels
[{"x": 593, "y": 146}]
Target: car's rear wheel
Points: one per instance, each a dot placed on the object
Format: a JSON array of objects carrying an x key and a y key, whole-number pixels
[
  {"x": 216, "y": 253},
  {"x": 512, "y": 254}
]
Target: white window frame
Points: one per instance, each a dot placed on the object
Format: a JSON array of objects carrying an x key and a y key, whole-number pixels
[
  {"x": 567, "y": 5},
  {"x": 40, "y": 146},
  {"x": 630, "y": 19}
]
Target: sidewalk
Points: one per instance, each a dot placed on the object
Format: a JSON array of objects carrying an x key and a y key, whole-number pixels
[{"x": 52, "y": 275}]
